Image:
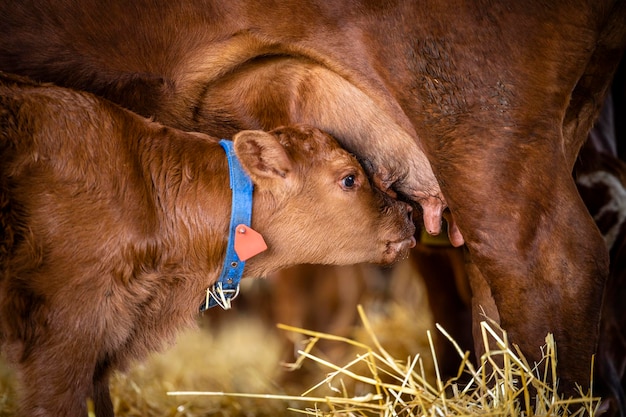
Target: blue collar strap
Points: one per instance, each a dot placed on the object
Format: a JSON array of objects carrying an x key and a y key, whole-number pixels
[{"x": 227, "y": 287}]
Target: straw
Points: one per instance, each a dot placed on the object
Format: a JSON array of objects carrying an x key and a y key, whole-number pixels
[{"x": 503, "y": 384}]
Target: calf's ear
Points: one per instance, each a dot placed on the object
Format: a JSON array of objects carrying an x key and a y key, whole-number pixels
[{"x": 261, "y": 155}]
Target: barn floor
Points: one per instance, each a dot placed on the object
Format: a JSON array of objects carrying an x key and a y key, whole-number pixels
[{"x": 238, "y": 352}]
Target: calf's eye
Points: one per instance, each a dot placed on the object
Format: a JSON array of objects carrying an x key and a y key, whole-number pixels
[{"x": 348, "y": 181}]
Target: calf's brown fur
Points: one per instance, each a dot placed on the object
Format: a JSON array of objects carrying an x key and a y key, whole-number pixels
[{"x": 114, "y": 226}]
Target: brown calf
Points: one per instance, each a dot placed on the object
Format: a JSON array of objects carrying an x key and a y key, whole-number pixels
[{"x": 113, "y": 227}]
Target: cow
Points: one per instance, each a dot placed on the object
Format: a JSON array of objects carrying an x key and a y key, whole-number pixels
[
  {"x": 114, "y": 226},
  {"x": 473, "y": 111}
]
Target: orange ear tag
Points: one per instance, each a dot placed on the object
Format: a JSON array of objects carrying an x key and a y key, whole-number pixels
[{"x": 248, "y": 242}]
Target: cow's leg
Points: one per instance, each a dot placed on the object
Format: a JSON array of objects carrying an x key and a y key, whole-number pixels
[{"x": 533, "y": 244}]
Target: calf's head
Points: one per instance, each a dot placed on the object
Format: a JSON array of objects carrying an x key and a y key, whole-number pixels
[{"x": 314, "y": 203}]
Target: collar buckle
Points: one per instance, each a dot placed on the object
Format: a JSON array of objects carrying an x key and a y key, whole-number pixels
[{"x": 218, "y": 295}]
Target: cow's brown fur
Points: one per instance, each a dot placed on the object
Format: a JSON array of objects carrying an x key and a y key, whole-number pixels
[
  {"x": 481, "y": 106},
  {"x": 113, "y": 226}
]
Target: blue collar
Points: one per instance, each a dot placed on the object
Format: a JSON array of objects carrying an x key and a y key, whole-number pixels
[{"x": 227, "y": 286}]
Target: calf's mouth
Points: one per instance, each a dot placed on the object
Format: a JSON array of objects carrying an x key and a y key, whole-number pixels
[{"x": 397, "y": 250}]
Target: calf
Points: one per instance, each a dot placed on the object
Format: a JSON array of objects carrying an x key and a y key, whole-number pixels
[{"x": 113, "y": 227}]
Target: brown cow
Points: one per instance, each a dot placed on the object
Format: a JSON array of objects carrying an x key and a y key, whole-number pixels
[
  {"x": 114, "y": 226},
  {"x": 480, "y": 106}
]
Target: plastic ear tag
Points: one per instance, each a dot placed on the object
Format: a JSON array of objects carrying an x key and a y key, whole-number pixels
[{"x": 248, "y": 242}]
